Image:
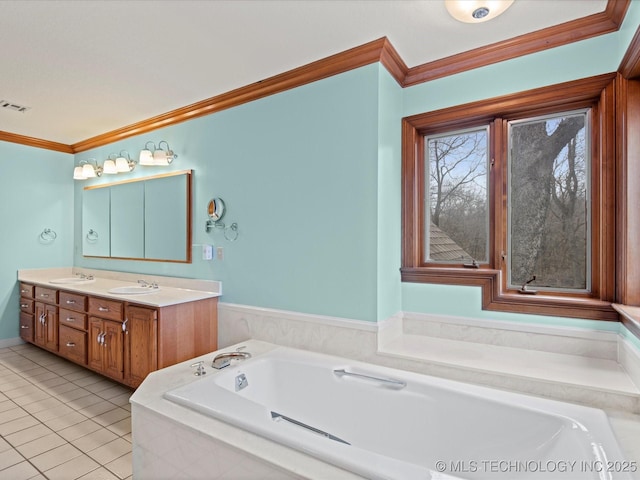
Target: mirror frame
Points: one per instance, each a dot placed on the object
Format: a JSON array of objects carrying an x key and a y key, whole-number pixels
[{"x": 189, "y": 180}]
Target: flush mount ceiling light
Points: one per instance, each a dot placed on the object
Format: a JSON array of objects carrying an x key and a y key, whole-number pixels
[{"x": 476, "y": 11}]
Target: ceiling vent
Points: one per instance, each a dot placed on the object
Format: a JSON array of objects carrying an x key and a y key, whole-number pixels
[{"x": 9, "y": 105}]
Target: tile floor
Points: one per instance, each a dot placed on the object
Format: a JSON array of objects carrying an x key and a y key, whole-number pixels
[{"x": 59, "y": 420}]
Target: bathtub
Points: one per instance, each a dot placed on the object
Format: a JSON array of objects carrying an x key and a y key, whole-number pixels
[{"x": 382, "y": 423}]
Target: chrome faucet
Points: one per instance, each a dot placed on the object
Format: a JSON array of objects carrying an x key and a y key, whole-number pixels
[
  {"x": 224, "y": 359},
  {"x": 144, "y": 283}
]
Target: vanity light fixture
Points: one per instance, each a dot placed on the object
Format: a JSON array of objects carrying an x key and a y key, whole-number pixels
[
  {"x": 86, "y": 170},
  {"x": 146, "y": 155},
  {"x": 476, "y": 11},
  {"x": 163, "y": 157},
  {"x": 109, "y": 166},
  {"x": 124, "y": 163}
]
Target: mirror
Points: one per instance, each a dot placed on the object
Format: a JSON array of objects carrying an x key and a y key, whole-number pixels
[
  {"x": 143, "y": 219},
  {"x": 216, "y": 209}
]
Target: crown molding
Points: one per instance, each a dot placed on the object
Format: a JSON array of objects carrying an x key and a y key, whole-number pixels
[
  {"x": 381, "y": 51},
  {"x": 551, "y": 37},
  {"x": 353, "y": 58},
  {"x": 35, "y": 142}
]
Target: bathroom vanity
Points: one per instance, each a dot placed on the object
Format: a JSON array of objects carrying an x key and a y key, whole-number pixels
[{"x": 124, "y": 335}]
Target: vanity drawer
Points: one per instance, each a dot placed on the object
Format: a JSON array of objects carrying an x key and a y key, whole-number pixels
[
  {"x": 73, "y": 344},
  {"x": 26, "y": 305},
  {"x": 26, "y": 327},
  {"x": 46, "y": 295},
  {"x": 26, "y": 290},
  {"x": 103, "y": 308},
  {"x": 73, "y": 301},
  {"x": 73, "y": 319}
]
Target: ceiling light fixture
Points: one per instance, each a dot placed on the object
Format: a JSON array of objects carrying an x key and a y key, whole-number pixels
[
  {"x": 124, "y": 163},
  {"x": 109, "y": 166},
  {"x": 157, "y": 156},
  {"x": 476, "y": 11}
]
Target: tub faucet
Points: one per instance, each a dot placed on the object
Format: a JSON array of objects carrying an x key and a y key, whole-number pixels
[{"x": 224, "y": 359}]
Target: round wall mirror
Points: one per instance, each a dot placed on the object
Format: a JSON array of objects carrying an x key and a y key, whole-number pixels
[{"x": 216, "y": 209}]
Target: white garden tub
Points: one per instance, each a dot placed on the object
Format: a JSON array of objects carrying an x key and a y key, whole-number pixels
[{"x": 389, "y": 424}]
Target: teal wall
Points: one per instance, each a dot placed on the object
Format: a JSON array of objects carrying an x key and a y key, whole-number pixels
[
  {"x": 36, "y": 192},
  {"x": 299, "y": 174}
]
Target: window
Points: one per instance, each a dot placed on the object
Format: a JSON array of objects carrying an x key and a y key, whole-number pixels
[{"x": 515, "y": 194}]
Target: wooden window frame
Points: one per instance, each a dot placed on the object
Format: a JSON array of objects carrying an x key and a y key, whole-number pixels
[{"x": 597, "y": 93}]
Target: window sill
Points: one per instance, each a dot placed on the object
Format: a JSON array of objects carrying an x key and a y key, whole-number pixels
[
  {"x": 630, "y": 317},
  {"x": 494, "y": 298}
]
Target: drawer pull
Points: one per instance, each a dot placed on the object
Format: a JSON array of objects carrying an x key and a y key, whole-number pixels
[
  {"x": 71, "y": 344},
  {"x": 23, "y": 305},
  {"x": 124, "y": 325},
  {"x": 103, "y": 309},
  {"x": 45, "y": 295},
  {"x": 70, "y": 319},
  {"x": 24, "y": 291},
  {"x": 71, "y": 302},
  {"x": 24, "y": 326}
]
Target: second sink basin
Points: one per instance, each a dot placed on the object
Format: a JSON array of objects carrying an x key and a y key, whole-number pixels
[{"x": 134, "y": 290}]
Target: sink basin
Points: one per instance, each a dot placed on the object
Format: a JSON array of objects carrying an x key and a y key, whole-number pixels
[
  {"x": 71, "y": 280},
  {"x": 135, "y": 290}
]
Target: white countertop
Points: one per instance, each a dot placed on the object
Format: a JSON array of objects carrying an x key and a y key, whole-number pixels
[{"x": 171, "y": 291}]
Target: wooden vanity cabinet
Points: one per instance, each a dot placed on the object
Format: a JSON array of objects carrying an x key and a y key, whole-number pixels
[
  {"x": 46, "y": 318},
  {"x": 121, "y": 340},
  {"x": 26, "y": 312},
  {"x": 72, "y": 320}
]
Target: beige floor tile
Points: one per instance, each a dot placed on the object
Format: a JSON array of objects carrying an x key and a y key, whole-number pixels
[
  {"x": 35, "y": 372},
  {"x": 9, "y": 458},
  {"x": 96, "y": 409},
  {"x": 20, "y": 391},
  {"x": 11, "y": 381},
  {"x": 12, "y": 414},
  {"x": 99, "y": 474},
  {"x": 121, "y": 428},
  {"x": 55, "y": 457},
  {"x": 74, "y": 394},
  {"x": 94, "y": 440},
  {"x": 43, "y": 404},
  {"x": 110, "y": 451},
  {"x": 121, "y": 466},
  {"x": 100, "y": 386},
  {"x": 89, "y": 379},
  {"x": 41, "y": 445},
  {"x": 53, "y": 412},
  {"x": 43, "y": 376},
  {"x": 4, "y": 445},
  {"x": 52, "y": 382},
  {"x": 73, "y": 468},
  {"x": 60, "y": 423},
  {"x": 31, "y": 397},
  {"x": 79, "y": 430},
  {"x": 121, "y": 400},
  {"x": 7, "y": 405},
  {"x": 83, "y": 402},
  {"x": 28, "y": 435},
  {"x": 20, "y": 471},
  {"x": 61, "y": 388},
  {"x": 17, "y": 425},
  {"x": 113, "y": 392},
  {"x": 112, "y": 416}
]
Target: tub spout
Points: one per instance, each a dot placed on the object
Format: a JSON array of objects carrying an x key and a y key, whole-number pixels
[{"x": 224, "y": 359}]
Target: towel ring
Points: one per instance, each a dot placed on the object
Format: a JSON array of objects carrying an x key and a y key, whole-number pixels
[
  {"x": 48, "y": 235},
  {"x": 92, "y": 235},
  {"x": 232, "y": 237}
]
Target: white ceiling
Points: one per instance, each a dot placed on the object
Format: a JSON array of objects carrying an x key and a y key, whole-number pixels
[{"x": 89, "y": 67}]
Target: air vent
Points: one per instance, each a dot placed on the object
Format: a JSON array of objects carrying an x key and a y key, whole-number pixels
[{"x": 9, "y": 105}]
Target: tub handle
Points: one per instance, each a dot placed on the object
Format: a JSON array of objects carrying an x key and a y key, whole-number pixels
[
  {"x": 275, "y": 416},
  {"x": 387, "y": 381}
]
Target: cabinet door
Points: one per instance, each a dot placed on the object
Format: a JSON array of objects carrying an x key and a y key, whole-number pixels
[
  {"x": 94, "y": 344},
  {"x": 26, "y": 326},
  {"x": 112, "y": 350},
  {"x": 51, "y": 327},
  {"x": 140, "y": 344},
  {"x": 40, "y": 336}
]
